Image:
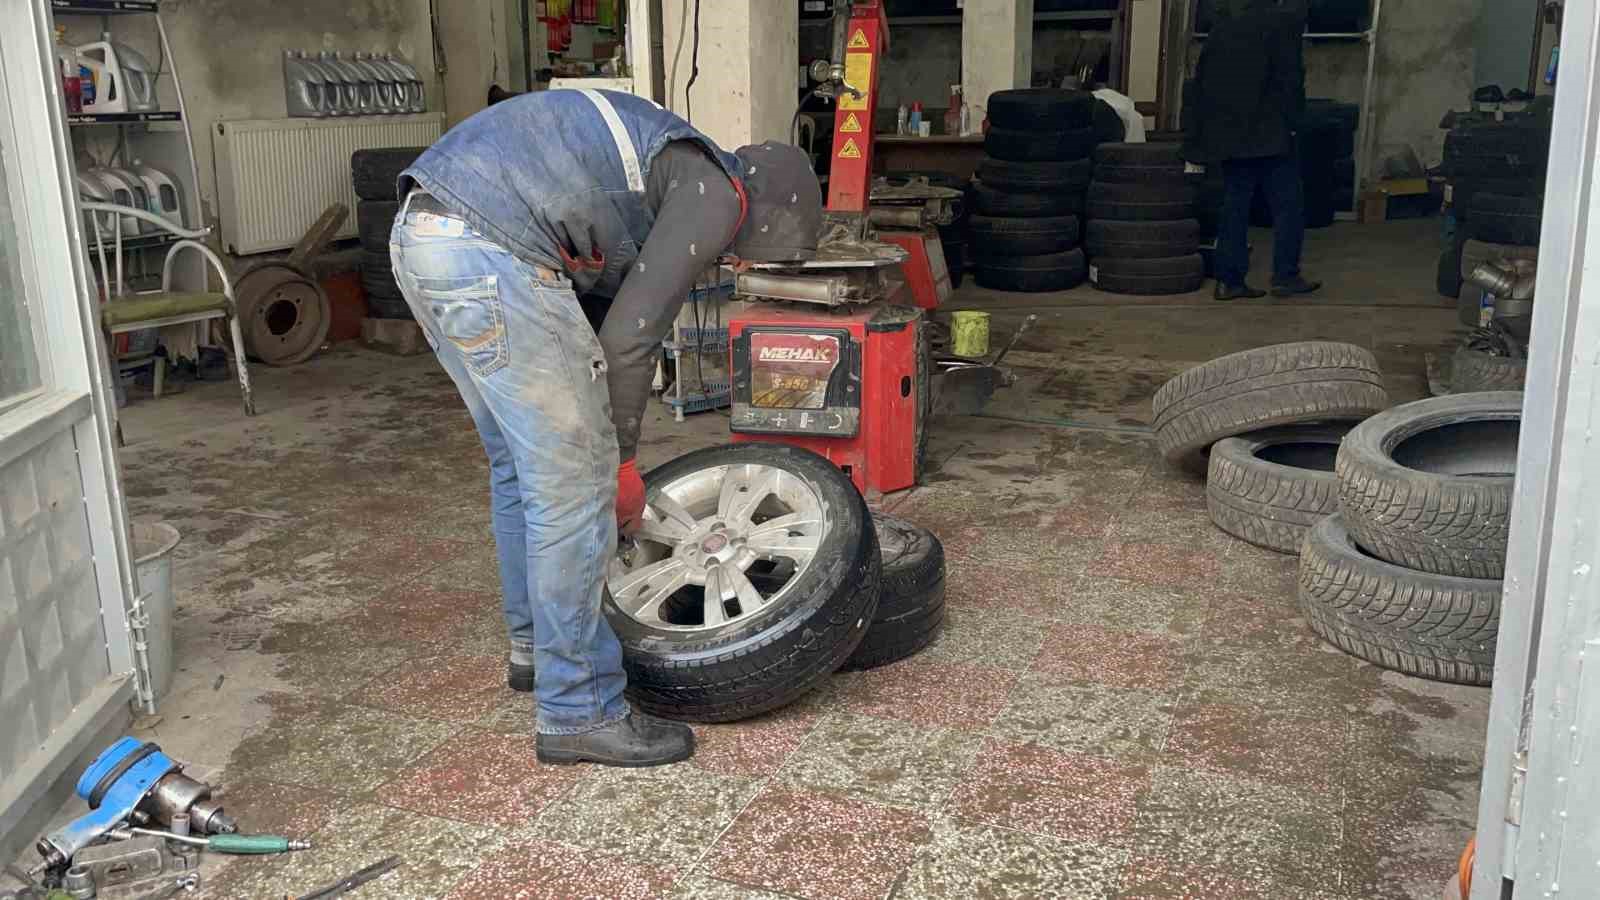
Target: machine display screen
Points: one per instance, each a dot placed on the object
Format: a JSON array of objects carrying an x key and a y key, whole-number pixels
[{"x": 791, "y": 371}]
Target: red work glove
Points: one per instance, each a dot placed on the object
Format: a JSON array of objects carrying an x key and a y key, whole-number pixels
[{"x": 630, "y": 497}]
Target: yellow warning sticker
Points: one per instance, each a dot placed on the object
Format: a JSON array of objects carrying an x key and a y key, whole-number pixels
[
  {"x": 857, "y": 74},
  {"x": 858, "y": 41},
  {"x": 852, "y": 125},
  {"x": 849, "y": 150}
]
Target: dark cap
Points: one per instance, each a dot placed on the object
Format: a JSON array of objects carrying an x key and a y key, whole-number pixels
[{"x": 784, "y": 216}]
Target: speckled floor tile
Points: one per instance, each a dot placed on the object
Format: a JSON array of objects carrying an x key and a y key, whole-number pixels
[
  {"x": 928, "y": 692},
  {"x": 1261, "y": 620},
  {"x": 1168, "y": 564},
  {"x": 1100, "y": 721},
  {"x": 1267, "y": 836},
  {"x": 510, "y": 712},
  {"x": 757, "y": 747},
  {"x": 986, "y": 638},
  {"x": 876, "y": 759},
  {"x": 396, "y": 556},
  {"x": 1021, "y": 545},
  {"x": 945, "y": 511},
  {"x": 817, "y": 845},
  {"x": 472, "y": 572},
  {"x": 1117, "y": 604},
  {"x": 454, "y": 688},
  {"x": 967, "y": 861},
  {"x": 265, "y": 807},
  {"x": 1304, "y": 752},
  {"x": 545, "y": 870},
  {"x": 668, "y": 815},
  {"x": 481, "y": 778},
  {"x": 422, "y": 613},
  {"x": 321, "y": 743},
  {"x": 329, "y": 660},
  {"x": 1147, "y": 878},
  {"x": 434, "y": 853},
  {"x": 1305, "y": 678},
  {"x": 1043, "y": 791},
  {"x": 1261, "y": 571},
  {"x": 1034, "y": 592},
  {"x": 700, "y": 886},
  {"x": 1086, "y": 654},
  {"x": 1142, "y": 521}
]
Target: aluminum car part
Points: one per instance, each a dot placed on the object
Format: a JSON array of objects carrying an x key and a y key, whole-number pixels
[
  {"x": 707, "y": 530},
  {"x": 284, "y": 313}
]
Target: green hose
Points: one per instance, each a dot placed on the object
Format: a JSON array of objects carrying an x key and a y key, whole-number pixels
[{"x": 251, "y": 844}]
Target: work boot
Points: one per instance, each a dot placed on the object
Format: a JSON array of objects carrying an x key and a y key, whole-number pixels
[
  {"x": 519, "y": 677},
  {"x": 1294, "y": 287},
  {"x": 1239, "y": 291},
  {"x": 631, "y": 742}
]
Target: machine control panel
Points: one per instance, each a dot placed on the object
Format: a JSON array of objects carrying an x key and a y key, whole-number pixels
[{"x": 796, "y": 381}]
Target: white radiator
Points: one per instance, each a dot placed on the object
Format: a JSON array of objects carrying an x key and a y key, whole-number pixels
[{"x": 276, "y": 176}]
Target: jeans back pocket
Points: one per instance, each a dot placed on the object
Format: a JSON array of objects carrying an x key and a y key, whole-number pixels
[{"x": 467, "y": 312}]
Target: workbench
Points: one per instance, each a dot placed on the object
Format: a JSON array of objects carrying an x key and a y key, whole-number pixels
[{"x": 956, "y": 154}]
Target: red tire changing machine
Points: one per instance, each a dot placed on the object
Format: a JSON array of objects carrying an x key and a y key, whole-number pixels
[{"x": 836, "y": 355}]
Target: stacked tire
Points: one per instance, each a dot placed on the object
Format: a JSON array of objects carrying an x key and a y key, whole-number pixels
[
  {"x": 1142, "y": 236},
  {"x": 845, "y": 591},
  {"x": 1407, "y": 574},
  {"x": 1340, "y": 122},
  {"x": 375, "y": 174},
  {"x": 1029, "y": 196}
]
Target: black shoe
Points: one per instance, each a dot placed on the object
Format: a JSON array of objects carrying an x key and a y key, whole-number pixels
[
  {"x": 519, "y": 678},
  {"x": 637, "y": 740},
  {"x": 1237, "y": 292},
  {"x": 1294, "y": 287}
]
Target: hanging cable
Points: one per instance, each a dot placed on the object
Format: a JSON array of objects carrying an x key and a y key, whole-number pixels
[{"x": 694, "y": 67}]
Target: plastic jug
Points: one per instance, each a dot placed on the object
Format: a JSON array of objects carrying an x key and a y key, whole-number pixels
[
  {"x": 136, "y": 187},
  {"x": 166, "y": 194},
  {"x": 303, "y": 87},
  {"x": 120, "y": 193},
  {"x": 361, "y": 82},
  {"x": 120, "y": 79},
  {"x": 374, "y": 95},
  {"x": 67, "y": 69},
  {"x": 332, "y": 83},
  {"x": 349, "y": 83},
  {"x": 389, "y": 96},
  {"x": 94, "y": 190},
  {"x": 139, "y": 78},
  {"x": 418, "y": 98},
  {"x": 399, "y": 83}
]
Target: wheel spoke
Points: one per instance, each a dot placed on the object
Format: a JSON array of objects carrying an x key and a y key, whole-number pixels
[
  {"x": 673, "y": 510},
  {"x": 750, "y": 599},
  {"x": 642, "y": 591},
  {"x": 715, "y": 612},
  {"x": 661, "y": 531},
  {"x": 747, "y": 496},
  {"x": 783, "y": 545},
  {"x": 784, "y": 524}
]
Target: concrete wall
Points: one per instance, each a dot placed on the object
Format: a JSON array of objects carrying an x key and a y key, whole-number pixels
[
  {"x": 1504, "y": 39},
  {"x": 1425, "y": 68},
  {"x": 749, "y": 81},
  {"x": 230, "y": 55}
]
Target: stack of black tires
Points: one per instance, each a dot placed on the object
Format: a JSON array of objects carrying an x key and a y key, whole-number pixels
[
  {"x": 1400, "y": 516},
  {"x": 1142, "y": 236},
  {"x": 375, "y": 173},
  {"x": 1029, "y": 194},
  {"x": 1504, "y": 164},
  {"x": 1337, "y": 124}
]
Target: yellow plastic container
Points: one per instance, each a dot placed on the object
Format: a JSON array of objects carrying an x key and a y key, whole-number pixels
[{"x": 969, "y": 333}]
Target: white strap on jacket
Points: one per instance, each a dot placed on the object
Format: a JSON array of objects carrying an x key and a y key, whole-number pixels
[{"x": 619, "y": 134}]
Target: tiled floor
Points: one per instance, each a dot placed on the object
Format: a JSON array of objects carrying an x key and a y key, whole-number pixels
[{"x": 1125, "y": 704}]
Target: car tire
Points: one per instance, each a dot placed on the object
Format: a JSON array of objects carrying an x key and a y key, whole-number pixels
[
  {"x": 1501, "y": 219},
  {"x": 1166, "y": 155},
  {"x": 1462, "y": 190},
  {"x": 376, "y": 173},
  {"x": 1040, "y": 109},
  {"x": 379, "y": 307},
  {"x": 992, "y": 235},
  {"x": 816, "y": 611},
  {"x": 1141, "y": 240},
  {"x": 1268, "y": 488},
  {"x": 1268, "y": 387},
  {"x": 1033, "y": 274},
  {"x": 911, "y": 602},
  {"x": 1149, "y": 277},
  {"x": 992, "y": 201},
  {"x": 1427, "y": 485},
  {"x": 1054, "y": 175},
  {"x": 1474, "y": 371},
  {"x": 1438, "y": 627},
  {"x": 374, "y": 221},
  {"x": 1166, "y": 176},
  {"x": 1038, "y": 146}
]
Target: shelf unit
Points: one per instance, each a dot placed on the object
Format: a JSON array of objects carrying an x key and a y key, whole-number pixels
[
  {"x": 1366, "y": 133},
  {"x": 1119, "y": 18},
  {"x": 149, "y": 135}
]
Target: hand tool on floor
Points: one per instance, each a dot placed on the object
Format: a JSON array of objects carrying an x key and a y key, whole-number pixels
[
  {"x": 354, "y": 880},
  {"x": 237, "y": 844},
  {"x": 135, "y": 781}
]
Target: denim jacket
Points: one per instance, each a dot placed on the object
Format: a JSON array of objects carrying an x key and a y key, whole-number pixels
[{"x": 558, "y": 178}]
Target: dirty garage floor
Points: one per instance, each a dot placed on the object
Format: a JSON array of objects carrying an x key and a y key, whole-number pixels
[{"x": 1126, "y": 702}]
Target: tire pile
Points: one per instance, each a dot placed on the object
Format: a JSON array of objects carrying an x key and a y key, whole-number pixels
[
  {"x": 1495, "y": 172},
  {"x": 1029, "y": 195},
  {"x": 1400, "y": 516},
  {"x": 869, "y": 589},
  {"x": 1143, "y": 237},
  {"x": 374, "y": 174}
]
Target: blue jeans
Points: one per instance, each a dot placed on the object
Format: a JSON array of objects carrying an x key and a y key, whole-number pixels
[
  {"x": 533, "y": 376},
  {"x": 1280, "y": 176}
]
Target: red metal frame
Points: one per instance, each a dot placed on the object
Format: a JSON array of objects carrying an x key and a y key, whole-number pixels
[
  {"x": 928, "y": 284},
  {"x": 866, "y": 43}
]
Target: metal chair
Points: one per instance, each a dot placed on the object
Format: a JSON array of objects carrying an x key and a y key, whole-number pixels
[{"x": 124, "y": 312}]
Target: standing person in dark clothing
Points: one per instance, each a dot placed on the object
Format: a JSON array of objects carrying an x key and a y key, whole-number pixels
[
  {"x": 1248, "y": 99},
  {"x": 504, "y": 221}
]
